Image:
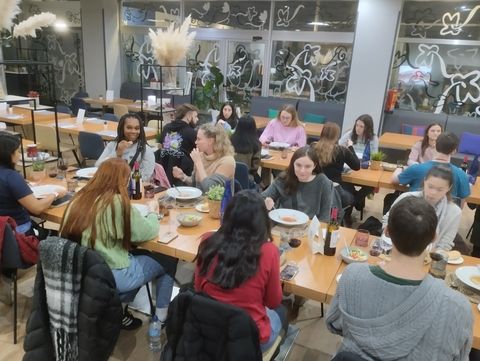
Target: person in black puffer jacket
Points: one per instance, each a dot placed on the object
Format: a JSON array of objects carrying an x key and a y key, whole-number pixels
[{"x": 99, "y": 315}]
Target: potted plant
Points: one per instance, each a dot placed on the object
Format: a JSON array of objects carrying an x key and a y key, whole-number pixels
[
  {"x": 38, "y": 170},
  {"x": 208, "y": 96},
  {"x": 214, "y": 197},
  {"x": 376, "y": 160}
]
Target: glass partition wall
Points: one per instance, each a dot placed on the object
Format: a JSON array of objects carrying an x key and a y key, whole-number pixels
[
  {"x": 299, "y": 49},
  {"x": 436, "y": 67}
]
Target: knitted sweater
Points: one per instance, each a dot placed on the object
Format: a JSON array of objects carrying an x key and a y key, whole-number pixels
[
  {"x": 382, "y": 320},
  {"x": 313, "y": 198},
  {"x": 218, "y": 170},
  {"x": 448, "y": 214},
  {"x": 416, "y": 156}
]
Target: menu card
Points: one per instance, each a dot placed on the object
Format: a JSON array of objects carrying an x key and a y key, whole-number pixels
[{"x": 316, "y": 239}]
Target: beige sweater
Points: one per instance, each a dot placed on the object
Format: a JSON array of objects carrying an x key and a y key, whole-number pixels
[{"x": 218, "y": 170}]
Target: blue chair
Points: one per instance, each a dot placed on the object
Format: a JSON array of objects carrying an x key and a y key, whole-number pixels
[
  {"x": 91, "y": 146},
  {"x": 62, "y": 108},
  {"x": 110, "y": 116},
  {"x": 81, "y": 94},
  {"x": 241, "y": 175}
]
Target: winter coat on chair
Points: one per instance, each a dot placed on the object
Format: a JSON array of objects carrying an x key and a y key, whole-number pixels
[{"x": 99, "y": 311}]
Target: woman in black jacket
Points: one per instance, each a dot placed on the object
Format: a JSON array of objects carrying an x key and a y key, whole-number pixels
[{"x": 333, "y": 158}]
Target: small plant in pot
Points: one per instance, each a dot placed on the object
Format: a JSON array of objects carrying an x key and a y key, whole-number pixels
[
  {"x": 214, "y": 197},
  {"x": 376, "y": 160}
]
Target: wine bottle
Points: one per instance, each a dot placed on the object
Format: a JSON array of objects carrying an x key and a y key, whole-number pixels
[
  {"x": 464, "y": 165},
  {"x": 332, "y": 234},
  {"x": 137, "y": 190}
]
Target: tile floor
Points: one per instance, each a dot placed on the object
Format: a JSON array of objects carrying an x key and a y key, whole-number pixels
[{"x": 313, "y": 343}]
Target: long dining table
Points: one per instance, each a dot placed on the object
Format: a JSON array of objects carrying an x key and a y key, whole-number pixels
[{"x": 317, "y": 274}]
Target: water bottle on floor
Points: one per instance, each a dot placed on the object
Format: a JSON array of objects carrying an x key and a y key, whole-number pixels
[{"x": 154, "y": 329}]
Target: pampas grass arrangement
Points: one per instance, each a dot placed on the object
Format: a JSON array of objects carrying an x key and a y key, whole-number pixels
[
  {"x": 171, "y": 46},
  {"x": 33, "y": 23},
  {"x": 8, "y": 10}
]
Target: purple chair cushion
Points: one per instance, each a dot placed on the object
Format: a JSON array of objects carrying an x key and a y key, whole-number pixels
[
  {"x": 469, "y": 144},
  {"x": 413, "y": 129}
]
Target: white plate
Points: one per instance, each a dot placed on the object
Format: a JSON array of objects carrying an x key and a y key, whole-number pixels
[
  {"x": 185, "y": 192},
  {"x": 464, "y": 274},
  {"x": 142, "y": 208},
  {"x": 456, "y": 261},
  {"x": 279, "y": 145},
  {"x": 45, "y": 190},
  {"x": 40, "y": 155},
  {"x": 86, "y": 172},
  {"x": 277, "y": 214},
  {"x": 200, "y": 208}
]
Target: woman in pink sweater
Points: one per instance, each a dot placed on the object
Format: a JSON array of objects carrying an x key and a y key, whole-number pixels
[{"x": 285, "y": 128}]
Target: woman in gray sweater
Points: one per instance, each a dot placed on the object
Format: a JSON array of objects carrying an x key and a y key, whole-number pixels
[
  {"x": 302, "y": 187},
  {"x": 436, "y": 191}
]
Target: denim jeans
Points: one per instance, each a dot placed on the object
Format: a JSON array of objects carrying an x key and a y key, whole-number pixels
[
  {"x": 277, "y": 320},
  {"x": 143, "y": 269}
]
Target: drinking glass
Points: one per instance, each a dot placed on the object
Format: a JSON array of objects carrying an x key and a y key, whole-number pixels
[
  {"x": 438, "y": 267},
  {"x": 52, "y": 171},
  {"x": 62, "y": 166},
  {"x": 148, "y": 188},
  {"x": 361, "y": 238}
]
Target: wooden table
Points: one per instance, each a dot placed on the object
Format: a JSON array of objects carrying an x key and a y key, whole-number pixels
[
  {"x": 310, "y": 128},
  {"x": 107, "y": 103},
  {"x": 398, "y": 141},
  {"x": 108, "y": 132},
  {"x": 22, "y": 116},
  {"x": 363, "y": 177}
]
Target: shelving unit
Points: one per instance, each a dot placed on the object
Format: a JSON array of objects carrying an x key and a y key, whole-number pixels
[
  {"x": 162, "y": 88},
  {"x": 15, "y": 99}
]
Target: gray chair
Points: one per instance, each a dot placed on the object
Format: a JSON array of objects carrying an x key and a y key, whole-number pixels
[
  {"x": 393, "y": 122},
  {"x": 91, "y": 146},
  {"x": 10, "y": 262}
]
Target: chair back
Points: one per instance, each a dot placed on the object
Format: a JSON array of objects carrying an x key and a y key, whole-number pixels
[
  {"x": 62, "y": 108},
  {"x": 120, "y": 109},
  {"x": 91, "y": 145},
  {"x": 46, "y": 136},
  {"x": 110, "y": 116},
  {"x": 212, "y": 330},
  {"x": 10, "y": 253},
  {"x": 78, "y": 103},
  {"x": 81, "y": 94},
  {"x": 241, "y": 175}
]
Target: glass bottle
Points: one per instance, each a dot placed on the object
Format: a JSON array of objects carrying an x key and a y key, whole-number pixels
[
  {"x": 137, "y": 182},
  {"x": 331, "y": 237}
]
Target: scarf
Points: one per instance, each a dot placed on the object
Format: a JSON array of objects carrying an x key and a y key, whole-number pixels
[{"x": 62, "y": 262}]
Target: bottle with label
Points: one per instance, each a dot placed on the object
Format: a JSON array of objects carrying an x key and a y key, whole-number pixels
[
  {"x": 332, "y": 234},
  {"x": 227, "y": 195},
  {"x": 154, "y": 330},
  {"x": 464, "y": 165},
  {"x": 137, "y": 182}
]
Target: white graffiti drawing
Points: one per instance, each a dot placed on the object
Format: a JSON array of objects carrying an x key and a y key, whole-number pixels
[
  {"x": 296, "y": 83},
  {"x": 466, "y": 85},
  {"x": 207, "y": 64},
  {"x": 420, "y": 28},
  {"x": 204, "y": 11},
  {"x": 283, "y": 15},
  {"x": 459, "y": 53},
  {"x": 451, "y": 22},
  {"x": 146, "y": 57}
]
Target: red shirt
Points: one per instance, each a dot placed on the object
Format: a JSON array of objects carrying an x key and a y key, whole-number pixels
[{"x": 260, "y": 291}]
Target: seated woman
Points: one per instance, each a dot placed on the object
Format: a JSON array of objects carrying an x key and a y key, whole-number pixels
[
  {"x": 247, "y": 146},
  {"x": 16, "y": 197},
  {"x": 212, "y": 159},
  {"x": 436, "y": 191},
  {"x": 302, "y": 186},
  {"x": 333, "y": 157},
  {"x": 239, "y": 265},
  {"x": 178, "y": 140},
  {"x": 285, "y": 128},
  {"x": 227, "y": 115},
  {"x": 424, "y": 150},
  {"x": 361, "y": 135},
  {"x": 131, "y": 145},
  {"x": 101, "y": 217}
]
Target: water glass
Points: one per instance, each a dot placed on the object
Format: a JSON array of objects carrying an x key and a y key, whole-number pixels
[
  {"x": 361, "y": 238},
  {"x": 438, "y": 267},
  {"x": 284, "y": 153},
  {"x": 72, "y": 184}
]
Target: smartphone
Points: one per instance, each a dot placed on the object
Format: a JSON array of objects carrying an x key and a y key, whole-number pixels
[
  {"x": 289, "y": 272},
  {"x": 62, "y": 200},
  {"x": 267, "y": 156}
]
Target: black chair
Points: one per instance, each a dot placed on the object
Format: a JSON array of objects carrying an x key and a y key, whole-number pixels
[
  {"x": 10, "y": 262},
  {"x": 81, "y": 94},
  {"x": 241, "y": 175},
  {"x": 62, "y": 108},
  {"x": 91, "y": 146},
  {"x": 79, "y": 103},
  {"x": 110, "y": 116}
]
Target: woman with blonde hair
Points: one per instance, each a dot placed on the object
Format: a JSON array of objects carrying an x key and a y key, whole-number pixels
[
  {"x": 333, "y": 157},
  {"x": 285, "y": 128},
  {"x": 212, "y": 158},
  {"x": 101, "y": 217}
]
